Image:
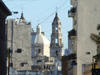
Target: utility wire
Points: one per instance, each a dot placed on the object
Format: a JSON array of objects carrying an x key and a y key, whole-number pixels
[
  {"x": 23, "y": 4},
  {"x": 18, "y": 0},
  {"x": 52, "y": 13},
  {"x": 48, "y": 10}
]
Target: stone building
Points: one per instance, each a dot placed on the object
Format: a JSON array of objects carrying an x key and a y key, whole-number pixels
[
  {"x": 40, "y": 44},
  {"x": 41, "y": 59},
  {"x": 19, "y": 41},
  {"x": 56, "y": 45},
  {"x": 85, "y": 14},
  {"x": 4, "y": 12}
]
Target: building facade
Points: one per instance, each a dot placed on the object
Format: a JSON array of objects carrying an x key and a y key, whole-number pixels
[
  {"x": 40, "y": 44},
  {"x": 4, "y": 12},
  {"x": 19, "y": 41},
  {"x": 85, "y": 14},
  {"x": 41, "y": 60}
]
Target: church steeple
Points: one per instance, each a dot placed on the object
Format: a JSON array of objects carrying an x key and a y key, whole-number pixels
[
  {"x": 56, "y": 17},
  {"x": 56, "y": 37},
  {"x": 22, "y": 18}
]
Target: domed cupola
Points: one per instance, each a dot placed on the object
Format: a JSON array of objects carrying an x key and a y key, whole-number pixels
[
  {"x": 39, "y": 29},
  {"x": 40, "y": 44},
  {"x": 39, "y": 38}
]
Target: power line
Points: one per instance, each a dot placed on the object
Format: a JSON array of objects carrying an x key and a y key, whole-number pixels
[
  {"x": 23, "y": 4},
  {"x": 18, "y": 0},
  {"x": 53, "y": 13},
  {"x": 46, "y": 11}
]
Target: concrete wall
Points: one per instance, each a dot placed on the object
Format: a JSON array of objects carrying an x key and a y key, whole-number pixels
[
  {"x": 22, "y": 40},
  {"x": 88, "y": 18},
  {"x": 47, "y": 50}
]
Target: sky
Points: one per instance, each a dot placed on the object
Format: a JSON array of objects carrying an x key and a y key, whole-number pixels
[{"x": 43, "y": 12}]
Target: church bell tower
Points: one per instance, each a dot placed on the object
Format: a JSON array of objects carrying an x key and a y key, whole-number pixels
[{"x": 56, "y": 38}]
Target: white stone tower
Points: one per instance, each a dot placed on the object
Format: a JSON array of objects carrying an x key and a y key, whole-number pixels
[{"x": 56, "y": 38}]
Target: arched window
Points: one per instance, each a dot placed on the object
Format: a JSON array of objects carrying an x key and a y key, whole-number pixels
[
  {"x": 56, "y": 40},
  {"x": 56, "y": 53},
  {"x": 56, "y": 28},
  {"x": 39, "y": 50}
]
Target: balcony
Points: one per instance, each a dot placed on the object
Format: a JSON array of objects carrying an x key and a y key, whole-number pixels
[
  {"x": 72, "y": 34},
  {"x": 72, "y": 12}
]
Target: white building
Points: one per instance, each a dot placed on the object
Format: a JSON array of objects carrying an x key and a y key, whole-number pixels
[
  {"x": 56, "y": 46},
  {"x": 40, "y": 44},
  {"x": 41, "y": 59},
  {"x": 86, "y": 17}
]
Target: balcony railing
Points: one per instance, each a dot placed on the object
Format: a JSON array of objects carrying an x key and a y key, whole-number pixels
[
  {"x": 72, "y": 34},
  {"x": 72, "y": 12}
]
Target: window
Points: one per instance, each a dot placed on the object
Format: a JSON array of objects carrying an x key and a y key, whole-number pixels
[
  {"x": 39, "y": 50},
  {"x": 39, "y": 60},
  {"x": 56, "y": 22},
  {"x": 56, "y": 40},
  {"x": 22, "y": 64},
  {"x": 88, "y": 53},
  {"x": 56, "y": 53},
  {"x": 19, "y": 50},
  {"x": 51, "y": 60},
  {"x": 56, "y": 28}
]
